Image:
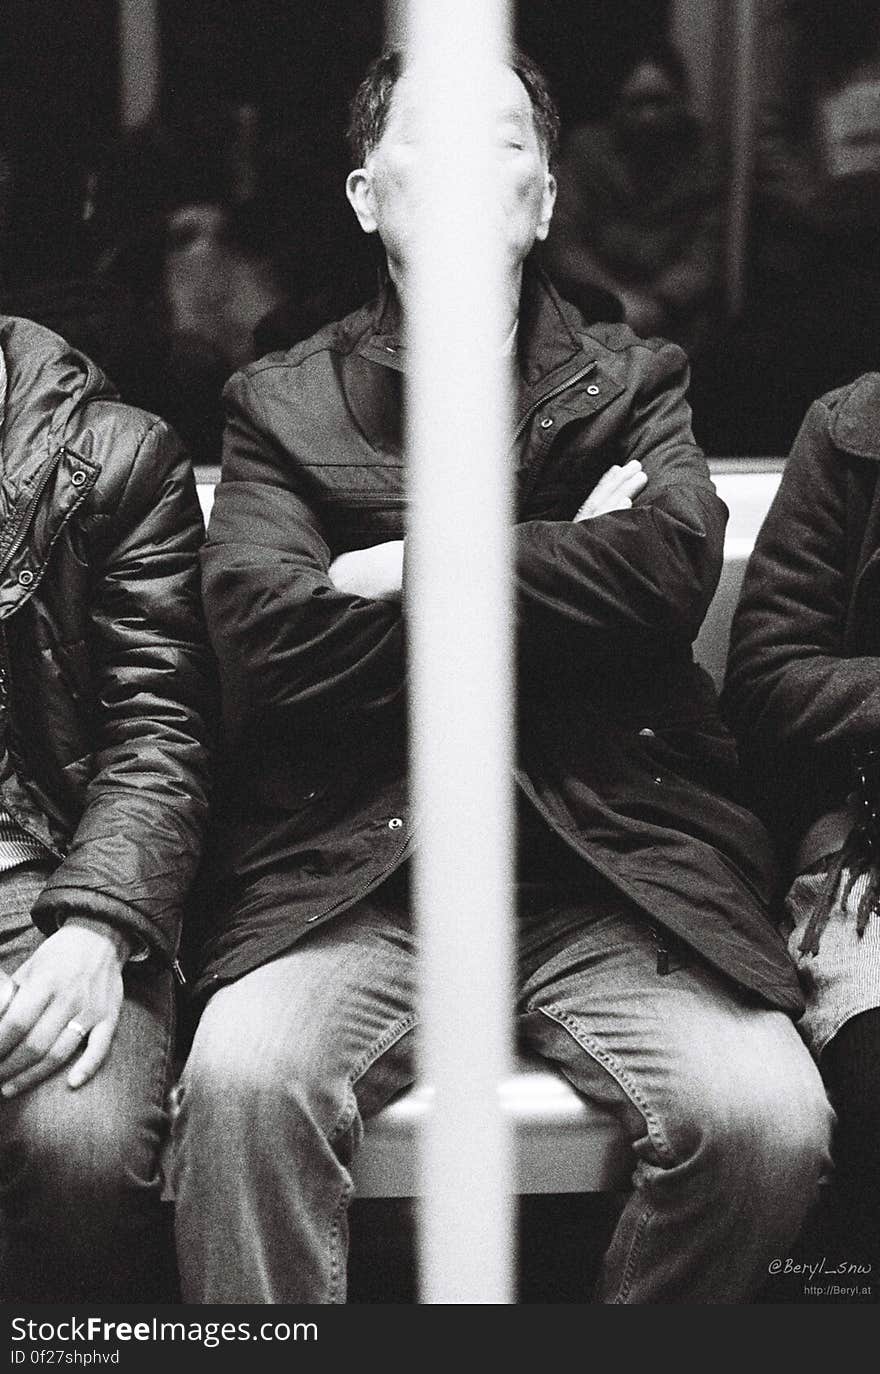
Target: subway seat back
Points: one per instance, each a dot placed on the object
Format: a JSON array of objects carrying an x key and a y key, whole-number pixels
[{"x": 564, "y": 1143}]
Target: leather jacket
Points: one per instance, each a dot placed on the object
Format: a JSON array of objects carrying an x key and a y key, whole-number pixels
[{"x": 108, "y": 687}]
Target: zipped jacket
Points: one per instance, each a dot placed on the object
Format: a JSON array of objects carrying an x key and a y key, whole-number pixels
[
  {"x": 621, "y": 746},
  {"x": 803, "y": 681},
  {"x": 107, "y": 683}
]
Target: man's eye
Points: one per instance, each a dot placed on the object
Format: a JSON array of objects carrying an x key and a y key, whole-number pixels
[{"x": 510, "y": 136}]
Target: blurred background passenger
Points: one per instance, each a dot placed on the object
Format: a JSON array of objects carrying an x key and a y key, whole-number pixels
[
  {"x": 812, "y": 315},
  {"x": 640, "y": 205},
  {"x": 203, "y": 227}
]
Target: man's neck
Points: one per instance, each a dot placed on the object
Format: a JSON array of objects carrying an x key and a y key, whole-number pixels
[{"x": 513, "y": 286}]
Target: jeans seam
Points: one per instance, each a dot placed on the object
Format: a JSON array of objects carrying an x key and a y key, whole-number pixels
[
  {"x": 395, "y": 1032},
  {"x": 338, "y": 1252},
  {"x": 632, "y": 1258},
  {"x": 161, "y": 1088},
  {"x": 555, "y": 1013}
]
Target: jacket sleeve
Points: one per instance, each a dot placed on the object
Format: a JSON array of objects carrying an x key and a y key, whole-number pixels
[
  {"x": 286, "y": 639},
  {"x": 134, "y": 853},
  {"x": 646, "y": 574},
  {"x": 789, "y": 684}
]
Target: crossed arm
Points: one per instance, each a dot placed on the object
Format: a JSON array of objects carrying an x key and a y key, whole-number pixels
[{"x": 378, "y": 572}]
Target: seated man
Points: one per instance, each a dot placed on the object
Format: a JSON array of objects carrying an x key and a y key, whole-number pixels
[
  {"x": 105, "y": 700},
  {"x": 649, "y": 972},
  {"x": 803, "y": 694}
]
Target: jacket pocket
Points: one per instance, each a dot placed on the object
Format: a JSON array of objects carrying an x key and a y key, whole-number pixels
[{"x": 358, "y": 520}]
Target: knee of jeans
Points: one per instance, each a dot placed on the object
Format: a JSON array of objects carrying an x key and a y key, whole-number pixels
[
  {"x": 231, "y": 1087},
  {"x": 77, "y": 1151},
  {"x": 766, "y": 1129}
]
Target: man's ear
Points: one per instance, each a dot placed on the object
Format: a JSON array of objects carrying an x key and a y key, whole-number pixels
[
  {"x": 548, "y": 200},
  {"x": 359, "y": 189}
]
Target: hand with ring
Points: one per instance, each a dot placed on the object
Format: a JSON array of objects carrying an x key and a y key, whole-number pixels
[{"x": 61, "y": 1006}]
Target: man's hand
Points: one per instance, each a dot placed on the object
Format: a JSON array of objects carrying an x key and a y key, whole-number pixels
[
  {"x": 62, "y": 1002},
  {"x": 376, "y": 573},
  {"x": 614, "y": 490}
]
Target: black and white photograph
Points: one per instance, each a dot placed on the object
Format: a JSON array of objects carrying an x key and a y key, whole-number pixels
[{"x": 439, "y": 665}]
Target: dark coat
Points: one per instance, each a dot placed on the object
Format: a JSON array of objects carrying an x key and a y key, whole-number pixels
[
  {"x": 621, "y": 745},
  {"x": 106, "y": 671},
  {"x": 803, "y": 679}
]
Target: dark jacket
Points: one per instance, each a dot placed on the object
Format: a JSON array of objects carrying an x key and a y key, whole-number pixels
[
  {"x": 621, "y": 746},
  {"x": 803, "y": 680},
  {"x": 106, "y": 672}
]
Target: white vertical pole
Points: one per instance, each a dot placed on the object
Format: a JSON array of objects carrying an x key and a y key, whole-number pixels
[
  {"x": 742, "y": 149},
  {"x": 139, "y": 57},
  {"x": 459, "y": 614}
]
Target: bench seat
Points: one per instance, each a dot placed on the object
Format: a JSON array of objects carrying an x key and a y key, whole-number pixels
[{"x": 564, "y": 1144}]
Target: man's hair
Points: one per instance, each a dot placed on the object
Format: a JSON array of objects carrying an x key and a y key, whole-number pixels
[{"x": 368, "y": 112}]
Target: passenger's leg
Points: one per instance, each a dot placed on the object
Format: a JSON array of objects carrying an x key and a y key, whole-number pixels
[
  {"x": 724, "y": 1106},
  {"x": 79, "y": 1169},
  {"x": 851, "y": 1066},
  {"x": 284, "y": 1065}
]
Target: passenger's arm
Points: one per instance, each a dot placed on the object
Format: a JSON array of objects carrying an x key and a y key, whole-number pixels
[
  {"x": 136, "y": 848},
  {"x": 645, "y": 574},
  {"x": 286, "y": 636},
  {"x": 789, "y": 681}
]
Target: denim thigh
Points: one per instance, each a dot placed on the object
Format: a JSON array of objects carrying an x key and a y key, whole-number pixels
[
  {"x": 663, "y": 1051},
  {"x": 80, "y": 1168},
  {"x": 330, "y": 1019}
]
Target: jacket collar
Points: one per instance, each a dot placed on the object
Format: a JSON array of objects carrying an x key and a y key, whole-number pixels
[
  {"x": 551, "y": 352},
  {"x": 42, "y": 381},
  {"x": 855, "y": 426}
]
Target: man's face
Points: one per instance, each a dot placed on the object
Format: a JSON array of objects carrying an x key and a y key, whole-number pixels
[{"x": 383, "y": 192}]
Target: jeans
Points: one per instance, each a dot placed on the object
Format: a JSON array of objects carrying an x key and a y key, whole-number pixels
[
  {"x": 724, "y": 1107},
  {"x": 80, "y": 1214}
]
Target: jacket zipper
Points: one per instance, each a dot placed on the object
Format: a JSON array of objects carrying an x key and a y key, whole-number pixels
[
  {"x": 27, "y": 514},
  {"x": 662, "y": 950},
  {"x": 17, "y": 541},
  {"x": 4, "y": 692},
  {"x": 391, "y": 867},
  {"x": 551, "y": 395}
]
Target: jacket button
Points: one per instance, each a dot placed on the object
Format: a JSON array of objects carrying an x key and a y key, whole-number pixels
[
  {"x": 647, "y": 733},
  {"x": 546, "y": 422},
  {"x": 592, "y": 390},
  {"x": 78, "y": 477},
  {"x": 25, "y": 577},
  {"x": 395, "y": 823}
]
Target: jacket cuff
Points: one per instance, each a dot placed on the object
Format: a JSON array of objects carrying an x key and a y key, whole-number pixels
[
  {"x": 57, "y": 904},
  {"x": 138, "y": 950}
]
